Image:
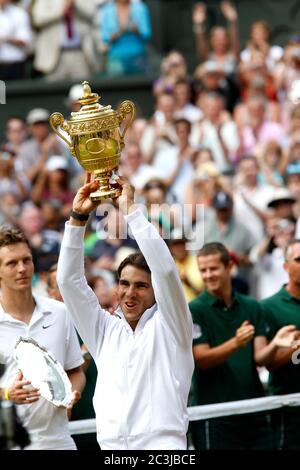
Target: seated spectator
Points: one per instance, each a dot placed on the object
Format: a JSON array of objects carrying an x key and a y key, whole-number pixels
[
  {"x": 15, "y": 39},
  {"x": 224, "y": 45},
  {"x": 64, "y": 46},
  {"x": 125, "y": 29}
]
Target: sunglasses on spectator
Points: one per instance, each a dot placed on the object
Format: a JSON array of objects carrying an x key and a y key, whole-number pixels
[{"x": 153, "y": 186}]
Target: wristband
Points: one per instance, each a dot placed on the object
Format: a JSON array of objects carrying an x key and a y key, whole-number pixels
[
  {"x": 80, "y": 217},
  {"x": 6, "y": 394}
]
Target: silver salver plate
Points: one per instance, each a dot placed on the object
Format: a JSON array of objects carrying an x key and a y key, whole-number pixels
[{"x": 43, "y": 371}]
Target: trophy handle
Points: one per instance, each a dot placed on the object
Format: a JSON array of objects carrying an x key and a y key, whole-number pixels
[
  {"x": 57, "y": 120},
  {"x": 126, "y": 108}
]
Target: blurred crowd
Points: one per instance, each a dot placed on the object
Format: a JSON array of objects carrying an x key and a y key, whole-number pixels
[
  {"x": 219, "y": 157},
  {"x": 72, "y": 39}
]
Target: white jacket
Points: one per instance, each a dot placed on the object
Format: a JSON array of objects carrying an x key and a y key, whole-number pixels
[
  {"x": 144, "y": 376},
  {"x": 47, "y": 17}
]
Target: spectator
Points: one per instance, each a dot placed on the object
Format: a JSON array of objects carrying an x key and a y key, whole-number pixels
[
  {"x": 52, "y": 182},
  {"x": 210, "y": 77},
  {"x": 160, "y": 133},
  {"x": 224, "y": 45},
  {"x": 64, "y": 40},
  {"x": 186, "y": 264},
  {"x": 12, "y": 180},
  {"x": 268, "y": 257},
  {"x": 25, "y": 314},
  {"x": 270, "y": 165},
  {"x": 184, "y": 109},
  {"x": 15, "y": 133},
  {"x": 174, "y": 164},
  {"x": 251, "y": 197},
  {"x": 125, "y": 29},
  {"x": 218, "y": 132},
  {"x": 282, "y": 203},
  {"x": 280, "y": 310},
  {"x": 133, "y": 167},
  {"x": 34, "y": 152},
  {"x": 222, "y": 226},
  {"x": 173, "y": 68},
  {"x": 228, "y": 331},
  {"x": 260, "y": 42},
  {"x": 15, "y": 39},
  {"x": 293, "y": 185}
]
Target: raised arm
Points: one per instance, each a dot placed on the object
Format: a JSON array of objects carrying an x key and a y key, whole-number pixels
[
  {"x": 80, "y": 300},
  {"x": 165, "y": 279}
]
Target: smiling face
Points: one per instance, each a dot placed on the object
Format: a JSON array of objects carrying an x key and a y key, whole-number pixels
[
  {"x": 215, "y": 274},
  {"x": 135, "y": 293},
  {"x": 16, "y": 267}
]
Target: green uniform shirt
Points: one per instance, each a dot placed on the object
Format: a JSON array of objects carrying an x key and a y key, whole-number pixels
[
  {"x": 214, "y": 323},
  {"x": 280, "y": 310}
]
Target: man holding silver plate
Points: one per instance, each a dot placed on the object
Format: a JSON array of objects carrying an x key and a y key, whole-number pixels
[{"x": 36, "y": 336}]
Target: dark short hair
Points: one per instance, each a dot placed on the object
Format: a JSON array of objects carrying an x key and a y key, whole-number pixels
[
  {"x": 135, "y": 259},
  {"x": 184, "y": 121},
  {"x": 216, "y": 248},
  {"x": 12, "y": 236}
]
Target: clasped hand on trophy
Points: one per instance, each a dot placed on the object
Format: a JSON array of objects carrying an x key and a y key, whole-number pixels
[{"x": 82, "y": 203}]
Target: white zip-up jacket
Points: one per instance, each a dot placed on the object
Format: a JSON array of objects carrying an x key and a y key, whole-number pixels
[{"x": 144, "y": 375}]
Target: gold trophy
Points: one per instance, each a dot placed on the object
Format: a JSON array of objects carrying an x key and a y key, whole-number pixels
[{"x": 95, "y": 138}]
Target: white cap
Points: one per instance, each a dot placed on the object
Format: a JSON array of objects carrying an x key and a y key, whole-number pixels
[
  {"x": 75, "y": 92},
  {"x": 56, "y": 162},
  {"x": 37, "y": 115}
]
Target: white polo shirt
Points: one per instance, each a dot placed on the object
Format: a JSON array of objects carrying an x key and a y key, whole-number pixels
[{"x": 52, "y": 328}]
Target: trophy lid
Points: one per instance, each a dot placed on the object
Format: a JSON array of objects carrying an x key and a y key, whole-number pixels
[{"x": 90, "y": 106}]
